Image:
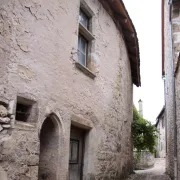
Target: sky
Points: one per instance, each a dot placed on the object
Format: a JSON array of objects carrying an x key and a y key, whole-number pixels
[{"x": 146, "y": 17}]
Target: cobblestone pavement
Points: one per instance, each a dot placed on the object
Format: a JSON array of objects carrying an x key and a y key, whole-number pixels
[{"x": 155, "y": 173}]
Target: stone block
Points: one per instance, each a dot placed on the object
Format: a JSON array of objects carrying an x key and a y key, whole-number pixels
[
  {"x": 175, "y": 13},
  {"x": 3, "y": 132},
  {"x": 33, "y": 172},
  {"x": 175, "y": 37},
  {"x": 1, "y": 128},
  {"x": 176, "y": 28},
  {"x": 5, "y": 120},
  {"x": 23, "y": 177},
  {"x": 176, "y": 47},
  {"x": 6, "y": 126},
  {"x": 3, "y": 111},
  {"x": 3, "y": 174}
]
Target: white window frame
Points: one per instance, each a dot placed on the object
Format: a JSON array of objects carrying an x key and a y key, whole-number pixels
[{"x": 85, "y": 33}]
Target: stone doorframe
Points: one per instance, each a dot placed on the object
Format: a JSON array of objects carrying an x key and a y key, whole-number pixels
[{"x": 78, "y": 121}]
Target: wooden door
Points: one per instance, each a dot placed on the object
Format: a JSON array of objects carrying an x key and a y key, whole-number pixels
[{"x": 76, "y": 153}]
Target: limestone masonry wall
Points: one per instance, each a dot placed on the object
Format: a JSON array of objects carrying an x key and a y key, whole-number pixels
[
  {"x": 169, "y": 92},
  {"x": 176, "y": 48},
  {"x": 172, "y": 49},
  {"x": 38, "y": 50}
]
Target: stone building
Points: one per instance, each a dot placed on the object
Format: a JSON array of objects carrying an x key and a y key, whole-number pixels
[
  {"x": 171, "y": 74},
  {"x": 66, "y": 84},
  {"x": 161, "y": 141}
]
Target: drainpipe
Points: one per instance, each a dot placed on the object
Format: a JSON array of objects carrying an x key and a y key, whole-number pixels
[{"x": 174, "y": 98}]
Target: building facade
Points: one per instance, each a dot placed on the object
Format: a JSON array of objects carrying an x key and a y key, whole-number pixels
[
  {"x": 170, "y": 72},
  {"x": 161, "y": 141},
  {"x": 66, "y": 84}
]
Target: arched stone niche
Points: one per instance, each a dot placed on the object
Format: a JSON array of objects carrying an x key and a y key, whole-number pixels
[{"x": 49, "y": 158}]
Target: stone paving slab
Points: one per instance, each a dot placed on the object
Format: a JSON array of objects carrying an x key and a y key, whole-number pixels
[
  {"x": 148, "y": 177},
  {"x": 155, "y": 173}
]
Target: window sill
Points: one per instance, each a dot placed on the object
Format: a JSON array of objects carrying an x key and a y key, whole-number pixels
[
  {"x": 85, "y": 70},
  {"x": 24, "y": 126},
  {"x": 85, "y": 33}
]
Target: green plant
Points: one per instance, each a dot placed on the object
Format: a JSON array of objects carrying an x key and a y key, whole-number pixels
[{"x": 144, "y": 133}]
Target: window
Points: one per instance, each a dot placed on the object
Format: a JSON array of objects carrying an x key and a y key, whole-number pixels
[
  {"x": 84, "y": 19},
  {"x": 82, "y": 50},
  {"x": 22, "y": 112},
  {"x": 85, "y": 44},
  {"x": 74, "y": 151},
  {"x": 82, "y": 41},
  {"x": 26, "y": 110}
]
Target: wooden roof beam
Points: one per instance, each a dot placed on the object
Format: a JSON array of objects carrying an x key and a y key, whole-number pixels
[
  {"x": 129, "y": 35},
  {"x": 130, "y": 43},
  {"x": 132, "y": 58},
  {"x": 123, "y": 20},
  {"x": 132, "y": 49}
]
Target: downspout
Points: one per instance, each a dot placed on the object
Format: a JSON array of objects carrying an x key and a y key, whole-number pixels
[{"x": 174, "y": 97}]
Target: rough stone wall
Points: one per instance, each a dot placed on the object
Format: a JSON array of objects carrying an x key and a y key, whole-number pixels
[
  {"x": 5, "y": 46},
  {"x": 176, "y": 48},
  {"x": 178, "y": 117},
  {"x": 144, "y": 161},
  {"x": 169, "y": 85},
  {"x": 41, "y": 42},
  {"x": 161, "y": 146},
  {"x": 169, "y": 92}
]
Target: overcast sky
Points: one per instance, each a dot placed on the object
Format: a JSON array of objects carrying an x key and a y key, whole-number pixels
[{"x": 146, "y": 16}]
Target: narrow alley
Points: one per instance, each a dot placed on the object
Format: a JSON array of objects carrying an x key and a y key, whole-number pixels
[{"x": 155, "y": 173}]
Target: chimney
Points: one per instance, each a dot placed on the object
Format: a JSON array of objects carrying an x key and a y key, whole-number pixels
[{"x": 140, "y": 107}]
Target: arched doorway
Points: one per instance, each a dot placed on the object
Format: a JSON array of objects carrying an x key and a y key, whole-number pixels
[{"x": 49, "y": 150}]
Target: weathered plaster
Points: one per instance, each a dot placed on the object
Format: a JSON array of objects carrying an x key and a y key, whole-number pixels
[{"x": 37, "y": 43}]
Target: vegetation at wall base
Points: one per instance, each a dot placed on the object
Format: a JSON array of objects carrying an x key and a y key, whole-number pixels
[{"x": 144, "y": 133}]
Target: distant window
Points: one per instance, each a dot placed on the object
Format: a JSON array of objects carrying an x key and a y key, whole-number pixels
[
  {"x": 84, "y": 19},
  {"x": 82, "y": 50},
  {"x": 74, "y": 151},
  {"x": 22, "y": 112}
]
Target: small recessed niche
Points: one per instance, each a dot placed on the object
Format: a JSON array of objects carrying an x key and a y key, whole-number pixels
[
  {"x": 26, "y": 110},
  {"x": 22, "y": 112}
]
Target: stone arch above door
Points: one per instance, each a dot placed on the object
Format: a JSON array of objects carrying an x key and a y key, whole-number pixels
[{"x": 55, "y": 115}]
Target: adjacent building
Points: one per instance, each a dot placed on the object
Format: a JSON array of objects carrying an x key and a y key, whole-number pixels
[
  {"x": 171, "y": 75},
  {"x": 161, "y": 141},
  {"x": 66, "y": 86}
]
